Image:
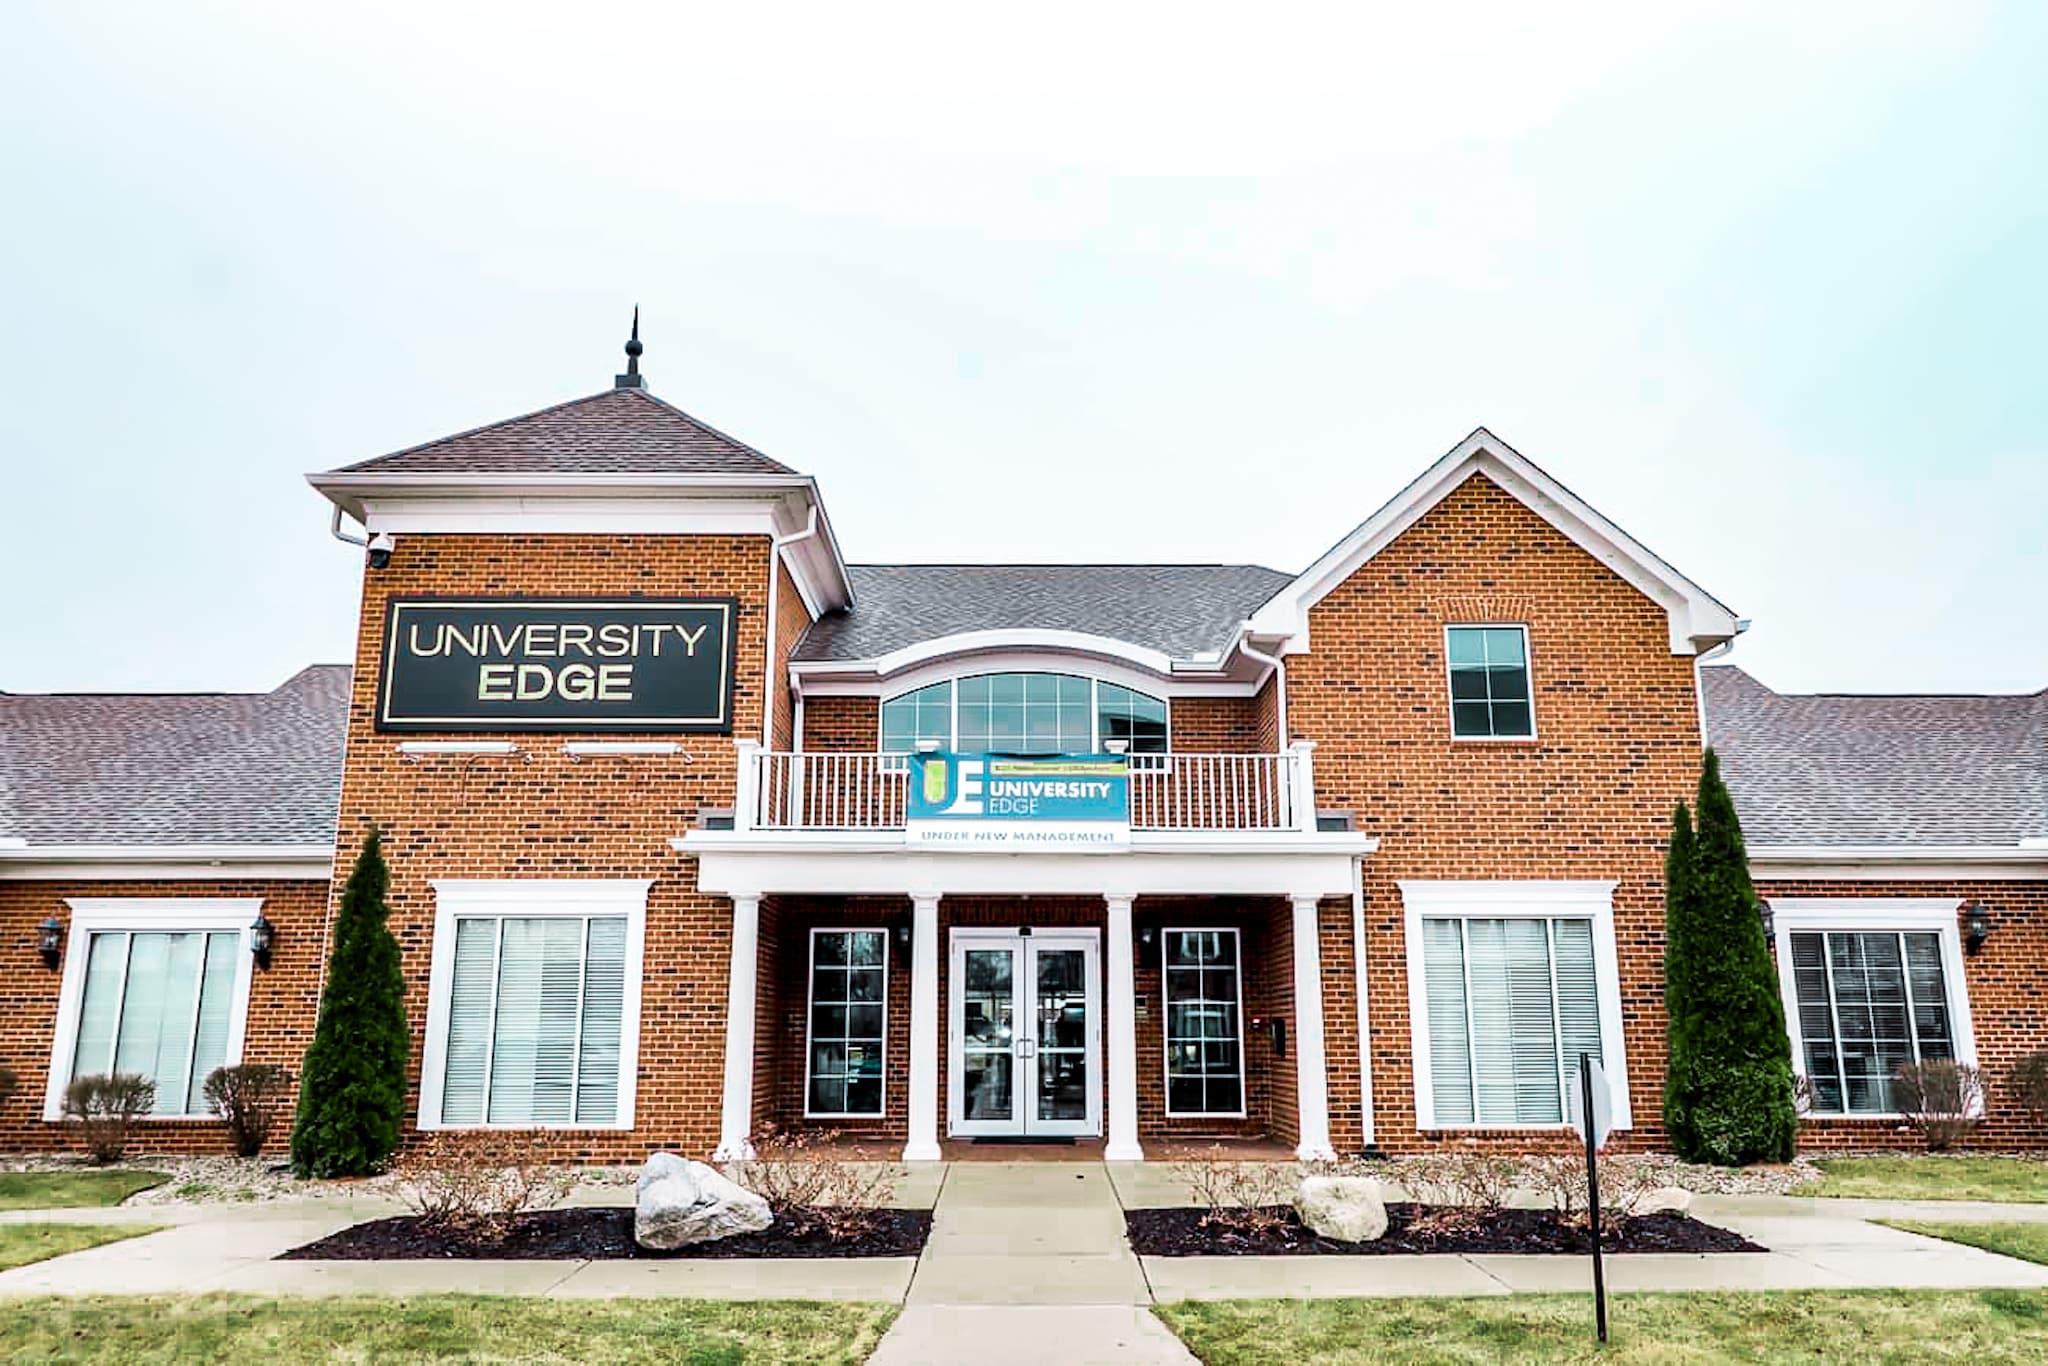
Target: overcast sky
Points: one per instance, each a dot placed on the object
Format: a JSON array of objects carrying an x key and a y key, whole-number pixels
[{"x": 1763, "y": 283}]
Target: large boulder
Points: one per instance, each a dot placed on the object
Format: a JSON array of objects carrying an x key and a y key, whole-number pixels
[
  {"x": 1347, "y": 1208},
  {"x": 679, "y": 1202},
  {"x": 1664, "y": 1200}
]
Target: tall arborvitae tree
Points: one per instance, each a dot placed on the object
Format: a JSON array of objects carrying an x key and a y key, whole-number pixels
[
  {"x": 1728, "y": 1093},
  {"x": 352, "y": 1086}
]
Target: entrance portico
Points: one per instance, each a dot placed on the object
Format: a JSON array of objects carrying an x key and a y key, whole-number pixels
[{"x": 1023, "y": 1011}]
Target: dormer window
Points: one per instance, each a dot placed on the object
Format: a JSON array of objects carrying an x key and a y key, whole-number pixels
[
  {"x": 1024, "y": 713},
  {"x": 1490, "y": 693}
]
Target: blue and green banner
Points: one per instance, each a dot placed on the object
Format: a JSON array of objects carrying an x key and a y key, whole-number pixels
[{"x": 1074, "y": 802}]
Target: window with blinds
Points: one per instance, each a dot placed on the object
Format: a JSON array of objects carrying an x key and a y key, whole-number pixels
[
  {"x": 1512, "y": 1003},
  {"x": 1204, "y": 1023},
  {"x": 1869, "y": 1002},
  {"x": 849, "y": 1000},
  {"x": 535, "y": 1010},
  {"x": 158, "y": 1003}
]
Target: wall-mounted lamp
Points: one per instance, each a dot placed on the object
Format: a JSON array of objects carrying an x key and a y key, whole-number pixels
[
  {"x": 1763, "y": 910},
  {"x": 1148, "y": 940},
  {"x": 903, "y": 940},
  {"x": 50, "y": 941},
  {"x": 1976, "y": 925},
  {"x": 262, "y": 934}
]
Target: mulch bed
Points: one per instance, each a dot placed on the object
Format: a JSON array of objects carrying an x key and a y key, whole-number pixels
[
  {"x": 599, "y": 1234},
  {"x": 1178, "y": 1233}
]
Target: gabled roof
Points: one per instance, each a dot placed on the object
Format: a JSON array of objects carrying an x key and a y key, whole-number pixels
[
  {"x": 175, "y": 769},
  {"x": 1698, "y": 620},
  {"x": 1177, "y": 610},
  {"x": 618, "y": 431},
  {"x": 1828, "y": 769}
]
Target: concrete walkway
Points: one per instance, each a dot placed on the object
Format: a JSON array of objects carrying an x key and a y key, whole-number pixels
[{"x": 1027, "y": 1262}]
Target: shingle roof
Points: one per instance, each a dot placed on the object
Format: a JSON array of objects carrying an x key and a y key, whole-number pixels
[
  {"x": 1178, "y": 609},
  {"x": 201, "y": 768},
  {"x": 619, "y": 431},
  {"x": 1833, "y": 769}
]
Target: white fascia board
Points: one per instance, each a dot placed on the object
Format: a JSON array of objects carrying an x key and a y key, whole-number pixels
[
  {"x": 169, "y": 862},
  {"x": 1002, "y": 651},
  {"x": 1698, "y": 621},
  {"x": 2026, "y": 861}
]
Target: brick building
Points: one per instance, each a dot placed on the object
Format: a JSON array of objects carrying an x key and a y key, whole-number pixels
[{"x": 695, "y": 828}]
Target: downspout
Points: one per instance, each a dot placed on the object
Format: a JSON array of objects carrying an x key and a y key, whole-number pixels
[
  {"x": 775, "y": 548},
  {"x": 334, "y": 530},
  {"x": 1699, "y": 692},
  {"x": 1365, "y": 1118},
  {"x": 327, "y": 926},
  {"x": 1279, "y": 667}
]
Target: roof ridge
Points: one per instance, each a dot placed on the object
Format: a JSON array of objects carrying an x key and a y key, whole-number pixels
[{"x": 704, "y": 426}]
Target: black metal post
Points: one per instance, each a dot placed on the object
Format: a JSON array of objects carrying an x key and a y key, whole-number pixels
[{"x": 1593, "y": 1192}]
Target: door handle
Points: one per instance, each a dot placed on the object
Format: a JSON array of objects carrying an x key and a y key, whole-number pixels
[{"x": 1027, "y": 1048}]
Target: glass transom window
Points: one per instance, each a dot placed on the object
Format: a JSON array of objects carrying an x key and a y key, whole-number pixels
[
  {"x": 536, "y": 1007},
  {"x": 1512, "y": 1003},
  {"x": 1869, "y": 1002},
  {"x": 1204, "y": 1023},
  {"x": 848, "y": 1018},
  {"x": 159, "y": 1004},
  {"x": 1024, "y": 713},
  {"x": 1489, "y": 668}
]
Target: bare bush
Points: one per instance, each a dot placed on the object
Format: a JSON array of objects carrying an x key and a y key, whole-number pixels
[
  {"x": 1456, "y": 1189},
  {"x": 105, "y": 1106},
  {"x": 1243, "y": 1197},
  {"x": 2027, "y": 1084},
  {"x": 473, "y": 1181},
  {"x": 245, "y": 1098},
  {"x": 1802, "y": 1094},
  {"x": 811, "y": 1184},
  {"x": 1624, "y": 1187},
  {"x": 1940, "y": 1099}
]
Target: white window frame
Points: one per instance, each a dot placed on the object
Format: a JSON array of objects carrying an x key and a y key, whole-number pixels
[
  {"x": 1528, "y": 671},
  {"x": 810, "y": 974},
  {"x": 144, "y": 915},
  {"x": 1874, "y": 915},
  {"x": 1166, "y": 1026},
  {"x": 524, "y": 898},
  {"x": 1095, "y": 684},
  {"x": 1591, "y": 901}
]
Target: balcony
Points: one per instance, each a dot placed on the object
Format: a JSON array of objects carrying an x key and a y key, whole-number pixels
[{"x": 1169, "y": 792}]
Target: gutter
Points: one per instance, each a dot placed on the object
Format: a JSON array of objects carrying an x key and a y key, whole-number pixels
[{"x": 1279, "y": 667}]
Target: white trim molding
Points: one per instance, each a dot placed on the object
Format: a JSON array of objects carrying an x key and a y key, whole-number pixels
[
  {"x": 20, "y": 861},
  {"x": 1025, "y": 651},
  {"x": 1874, "y": 915},
  {"x": 145, "y": 915},
  {"x": 2026, "y": 861},
  {"x": 1698, "y": 621},
  {"x": 519, "y": 898},
  {"x": 1502, "y": 900}
]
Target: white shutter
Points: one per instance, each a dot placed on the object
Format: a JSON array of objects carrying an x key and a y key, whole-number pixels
[
  {"x": 216, "y": 1002},
  {"x": 470, "y": 1007},
  {"x": 1450, "y": 1064},
  {"x": 604, "y": 1013}
]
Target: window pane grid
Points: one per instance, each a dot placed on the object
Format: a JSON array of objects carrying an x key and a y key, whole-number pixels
[
  {"x": 1511, "y": 1003},
  {"x": 1025, "y": 713},
  {"x": 1867, "y": 1003},
  {"x": 847, "y": 1023},
  {"x": 1489, "y": 677},
  {"x": 1204, "y": 1023}
]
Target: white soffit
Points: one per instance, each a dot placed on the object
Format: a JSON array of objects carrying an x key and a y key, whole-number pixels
[{"x": 1698, "y": 620}]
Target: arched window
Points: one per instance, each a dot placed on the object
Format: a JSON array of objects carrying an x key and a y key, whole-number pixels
[{"x": 1024, "y": 713}]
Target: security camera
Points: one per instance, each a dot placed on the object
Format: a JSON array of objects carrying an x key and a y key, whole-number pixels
[{"x": 381, "y": 546}]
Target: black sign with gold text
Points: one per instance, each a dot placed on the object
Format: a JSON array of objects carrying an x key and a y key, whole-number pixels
[{"x": 568, "y": 664}]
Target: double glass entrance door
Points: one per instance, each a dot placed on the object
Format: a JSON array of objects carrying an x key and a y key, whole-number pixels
[{"x": 1025, "y": 1033}]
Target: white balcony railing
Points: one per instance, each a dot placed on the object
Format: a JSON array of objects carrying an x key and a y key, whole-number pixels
[{"x": 1191, "y": 792}]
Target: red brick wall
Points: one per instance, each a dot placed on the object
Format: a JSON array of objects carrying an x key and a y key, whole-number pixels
[
  {"x": 792, "y": 619},
  {"x": 1216, "y": 725},
  {"x": 538, "y": 814},
  {"x": 1590, "y": 798},
  {"x": 283, "y": 1000},
  {"x": 843, "y": 724},
  {"x": 1253, "y": 919},
  {"x": 2007, "y": 979},
  {"x": 787, "y": 981}
]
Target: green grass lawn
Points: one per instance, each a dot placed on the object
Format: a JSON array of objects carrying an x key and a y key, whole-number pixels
[
  {"x": 437, "y": 1328},
  {"x": 70, "y": 1189},
  {"x": 1931, "y": 1178},
  {"x": 2028, "y": 1242},
  {"x": 1806, "y": 1325},
  {"x": 21, "y": 1244}
]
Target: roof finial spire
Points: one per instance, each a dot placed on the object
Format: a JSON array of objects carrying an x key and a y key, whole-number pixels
[{"x": 632, "y": 378}]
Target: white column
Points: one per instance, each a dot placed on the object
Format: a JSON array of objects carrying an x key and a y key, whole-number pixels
[
  {"x": 923, "y": 1142},
  {"x": 1122, "y": 1144},
  {"x": 736, "y": 1117},
  {"x": 1312, "y": 1078}
]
